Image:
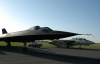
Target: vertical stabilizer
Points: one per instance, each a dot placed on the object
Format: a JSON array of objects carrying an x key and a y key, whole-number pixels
[{"x": 4, "y": 31}]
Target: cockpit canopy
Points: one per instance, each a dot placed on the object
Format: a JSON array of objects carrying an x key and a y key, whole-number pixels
[
  {"x": 40, "y": 28},
  {"x": 78, "y": 39},
  {"x": 37, "y": 27},
  {"x": 46, "y": 29},
  {"x": 34, "y": 28}
]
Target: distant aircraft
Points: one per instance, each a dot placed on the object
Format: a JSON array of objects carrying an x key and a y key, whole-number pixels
[
  {"x": 72, "y": 42},
  {"x": 82, "y": 41},
  {"x": 32, "y": 34},
  {"x": 62, "y": 43}
]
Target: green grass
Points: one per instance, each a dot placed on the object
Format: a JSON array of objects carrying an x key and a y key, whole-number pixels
[
  {"x": 2, "y": 44},
  {"x": 93, "y": 46},
  {"x": 47, "y": 45},
  {"x": 44, "y": 44},
  {"x": 12, "y": 44}
]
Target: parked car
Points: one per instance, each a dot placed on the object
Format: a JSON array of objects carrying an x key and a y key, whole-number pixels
[{"x": 35, "y": 45}]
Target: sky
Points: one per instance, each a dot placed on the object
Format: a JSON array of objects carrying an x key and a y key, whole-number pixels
[{"x": 78, "y": 16}]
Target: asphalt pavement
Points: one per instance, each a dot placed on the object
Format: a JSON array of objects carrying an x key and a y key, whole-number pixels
[{"x": 15, "y": 55}]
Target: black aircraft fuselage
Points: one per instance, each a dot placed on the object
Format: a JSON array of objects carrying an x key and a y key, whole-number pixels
[{"x": 34, "y": 33}]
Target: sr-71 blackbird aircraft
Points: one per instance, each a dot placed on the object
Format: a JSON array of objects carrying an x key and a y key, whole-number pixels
[{"x": 32, "y": 34}]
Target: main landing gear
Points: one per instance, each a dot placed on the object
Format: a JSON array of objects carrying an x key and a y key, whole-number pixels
[
  {"x": 25, "y": 48},
  {"x": 8, "y": 44},
  {"x": 80, "y": 46}
]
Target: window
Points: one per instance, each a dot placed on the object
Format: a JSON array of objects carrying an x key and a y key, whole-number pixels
[
  {"x": 46, "y": 29},
  {"x": 34, "y": 28}
]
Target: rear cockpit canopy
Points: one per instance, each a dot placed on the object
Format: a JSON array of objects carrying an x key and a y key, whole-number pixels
[{"x": 46, "y": 29}]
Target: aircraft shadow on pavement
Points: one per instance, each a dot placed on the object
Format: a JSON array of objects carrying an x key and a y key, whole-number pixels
[
  {"x": 4, "y": 49},
  {"x": 49, "y": 55},
  {"x": 2, "y": 53}
]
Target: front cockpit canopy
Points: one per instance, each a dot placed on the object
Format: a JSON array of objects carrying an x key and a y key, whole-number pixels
[
  {"x": 34, "y": 28},
  {"x": 37, "y": 27},
  {"x": 40, "y": 28}
]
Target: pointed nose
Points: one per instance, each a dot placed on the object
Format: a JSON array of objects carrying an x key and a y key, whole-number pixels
[{"x": 63, "y": 34}]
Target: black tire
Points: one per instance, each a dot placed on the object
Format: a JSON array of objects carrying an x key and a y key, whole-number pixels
[
  {"x": 29, "y": 46},
  {"x": 67, "y": 46},
  {"x": 38, "y": 46},
  {"x": 58, "y": 46}
]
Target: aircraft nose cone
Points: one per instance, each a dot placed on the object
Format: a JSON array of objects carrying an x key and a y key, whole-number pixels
[{"x": 63, "y": 34}]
